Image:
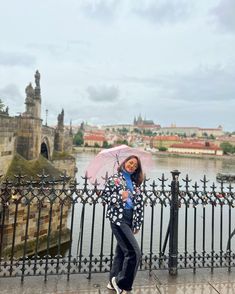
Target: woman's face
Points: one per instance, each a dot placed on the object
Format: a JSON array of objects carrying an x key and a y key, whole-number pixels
[{"x": 131, "y": 165}]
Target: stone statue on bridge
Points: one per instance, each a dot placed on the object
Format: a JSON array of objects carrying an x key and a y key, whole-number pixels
[
  {"x": 37, "y": 79},
  {"x": 60, "y": 119}
]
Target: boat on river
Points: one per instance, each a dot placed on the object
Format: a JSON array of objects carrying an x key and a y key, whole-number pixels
[{"x": 225, "y": 177}]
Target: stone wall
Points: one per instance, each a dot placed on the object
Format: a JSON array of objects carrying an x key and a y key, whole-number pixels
[
  {"x": 68, "y": 142},
  {"x": 40, "y": 214},
  {"x": 68, "y": 165},
  {"x": 7, "y": 143},
  {"x": 29, "y": 137}
]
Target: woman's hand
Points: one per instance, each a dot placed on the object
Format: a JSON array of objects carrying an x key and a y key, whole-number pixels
[
  {"x": 135, "y": 231},
  {"x": 124, "y": 196}
]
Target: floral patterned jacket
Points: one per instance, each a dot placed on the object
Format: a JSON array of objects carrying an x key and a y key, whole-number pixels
[{"x": 112, "y": 195}]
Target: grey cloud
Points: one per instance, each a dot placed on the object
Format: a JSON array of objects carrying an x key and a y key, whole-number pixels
[
  {"x": 103, "y": 93},
  {"x": 214, "y": 84},
  {"x": 166, "y": 11},
  {"x": 16, "y": 59},
  {"x": 103, "y": 10},
  {"x": 11, "y": 92},
  {"x": 11, "y": 97},
  {"x": 224, "y": 15},
  {"x": 201, "y": 85}
]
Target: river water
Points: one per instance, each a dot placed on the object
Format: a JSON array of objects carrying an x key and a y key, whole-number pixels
[{"x": 196, "y": 168}]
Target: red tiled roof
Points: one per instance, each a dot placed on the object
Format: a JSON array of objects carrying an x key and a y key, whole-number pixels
[
  {"x": 193, "y": 145},
  {"x": 94, "y": 138},
  {"x": 166, "y": 138}
]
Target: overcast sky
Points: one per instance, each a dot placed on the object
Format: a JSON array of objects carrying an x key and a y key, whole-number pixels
[{"x": 107, "y": 61}]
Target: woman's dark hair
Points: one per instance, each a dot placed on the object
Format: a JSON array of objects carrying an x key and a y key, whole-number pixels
[{"x": 137, "y": 175}]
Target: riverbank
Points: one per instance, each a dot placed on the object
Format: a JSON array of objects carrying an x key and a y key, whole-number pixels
[
  {"x": 77, "y": 149},
  {"x": 197, "y": 156}
]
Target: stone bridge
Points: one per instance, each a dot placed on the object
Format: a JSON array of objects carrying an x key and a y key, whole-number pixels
[{"x": 26, "y": 135}]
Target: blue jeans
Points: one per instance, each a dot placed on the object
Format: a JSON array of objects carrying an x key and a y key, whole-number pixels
[{"x": 127, "y": 254}]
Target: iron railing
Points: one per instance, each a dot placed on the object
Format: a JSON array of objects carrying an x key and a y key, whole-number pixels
[{"x": 59, "y": 227}]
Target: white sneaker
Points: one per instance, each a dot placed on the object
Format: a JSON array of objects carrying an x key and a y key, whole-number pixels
[
  {"x": 110, "y": 286},
  {"x": 115, "y": 286}
]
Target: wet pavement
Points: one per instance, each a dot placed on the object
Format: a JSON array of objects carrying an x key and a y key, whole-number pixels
[{"x": 159, "y": 282}]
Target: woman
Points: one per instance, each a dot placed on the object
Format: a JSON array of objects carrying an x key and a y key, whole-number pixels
[{"x": 125, "y": 212}]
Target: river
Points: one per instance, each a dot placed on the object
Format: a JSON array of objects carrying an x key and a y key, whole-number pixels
[{"x": 196, "y": 168}]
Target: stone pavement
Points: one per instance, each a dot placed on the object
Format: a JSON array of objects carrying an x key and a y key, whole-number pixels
[{"x": 159, "y": 282}]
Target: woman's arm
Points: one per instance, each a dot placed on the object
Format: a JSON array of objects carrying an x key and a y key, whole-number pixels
[{"x": 110, "y": 194}]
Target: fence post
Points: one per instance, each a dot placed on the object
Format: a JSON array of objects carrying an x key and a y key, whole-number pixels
[{"x": 173, "y": 225}]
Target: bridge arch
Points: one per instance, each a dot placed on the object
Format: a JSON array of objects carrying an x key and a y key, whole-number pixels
[{"x": 45, "y": 148}]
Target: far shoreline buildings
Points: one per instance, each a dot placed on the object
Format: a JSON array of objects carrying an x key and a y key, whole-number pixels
[{"x": 146, "y": 134}]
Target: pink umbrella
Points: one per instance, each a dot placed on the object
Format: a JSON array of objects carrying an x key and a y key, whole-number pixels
[{"x": 108, "y": 160}]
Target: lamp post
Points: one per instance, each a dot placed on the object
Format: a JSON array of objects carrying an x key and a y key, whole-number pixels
[{"x": 46, "y": 116}]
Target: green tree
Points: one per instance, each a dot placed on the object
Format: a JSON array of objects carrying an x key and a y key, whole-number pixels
[
  {"x": 78, "y": 138},
  {"x": 123, "y": 131},
  {"x": 227, "y": 147},
  {"x": 162, "y": 148},
  {"x": 136, "y": 130},
  {"x": 120, "y": 142},
  {"x": 212, "y": 137},
  {"x": 148, "y": 133},
  {"x": 105, "y": 144}
]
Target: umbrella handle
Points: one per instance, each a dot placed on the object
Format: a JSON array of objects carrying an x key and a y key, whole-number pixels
[{"x": 117, "y": 159}]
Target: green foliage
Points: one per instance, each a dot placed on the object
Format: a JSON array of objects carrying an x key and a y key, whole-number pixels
[
  {"x": 212, "y": 137},
  {"x": 61, "y": 155},
  {"x": 120, "y": 142},
  {"x": 162, "y": 148},
  {"x": 78, "y": 138},
  {"x": 31, "y": 168},
  {"x": 182, "y": 135},
  {"x": 148, "y": 133},
  {"x": 106, "y": 145},
  {"x": 96, "y": 145},
  {"x": 123, "y": 131},
  {"x": 136, "y": 130},
  {"x": 227, "y": 147}
]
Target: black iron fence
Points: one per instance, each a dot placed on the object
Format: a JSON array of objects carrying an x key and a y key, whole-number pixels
[{"x": 59, "y": 227}]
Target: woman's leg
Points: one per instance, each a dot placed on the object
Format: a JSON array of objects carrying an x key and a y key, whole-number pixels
[
  {"x": 130, "y": 248},
  {"x": 117, "y": 263}
]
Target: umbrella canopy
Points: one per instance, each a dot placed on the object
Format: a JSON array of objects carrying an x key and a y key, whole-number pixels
[{"x": 108, "y": 160}]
